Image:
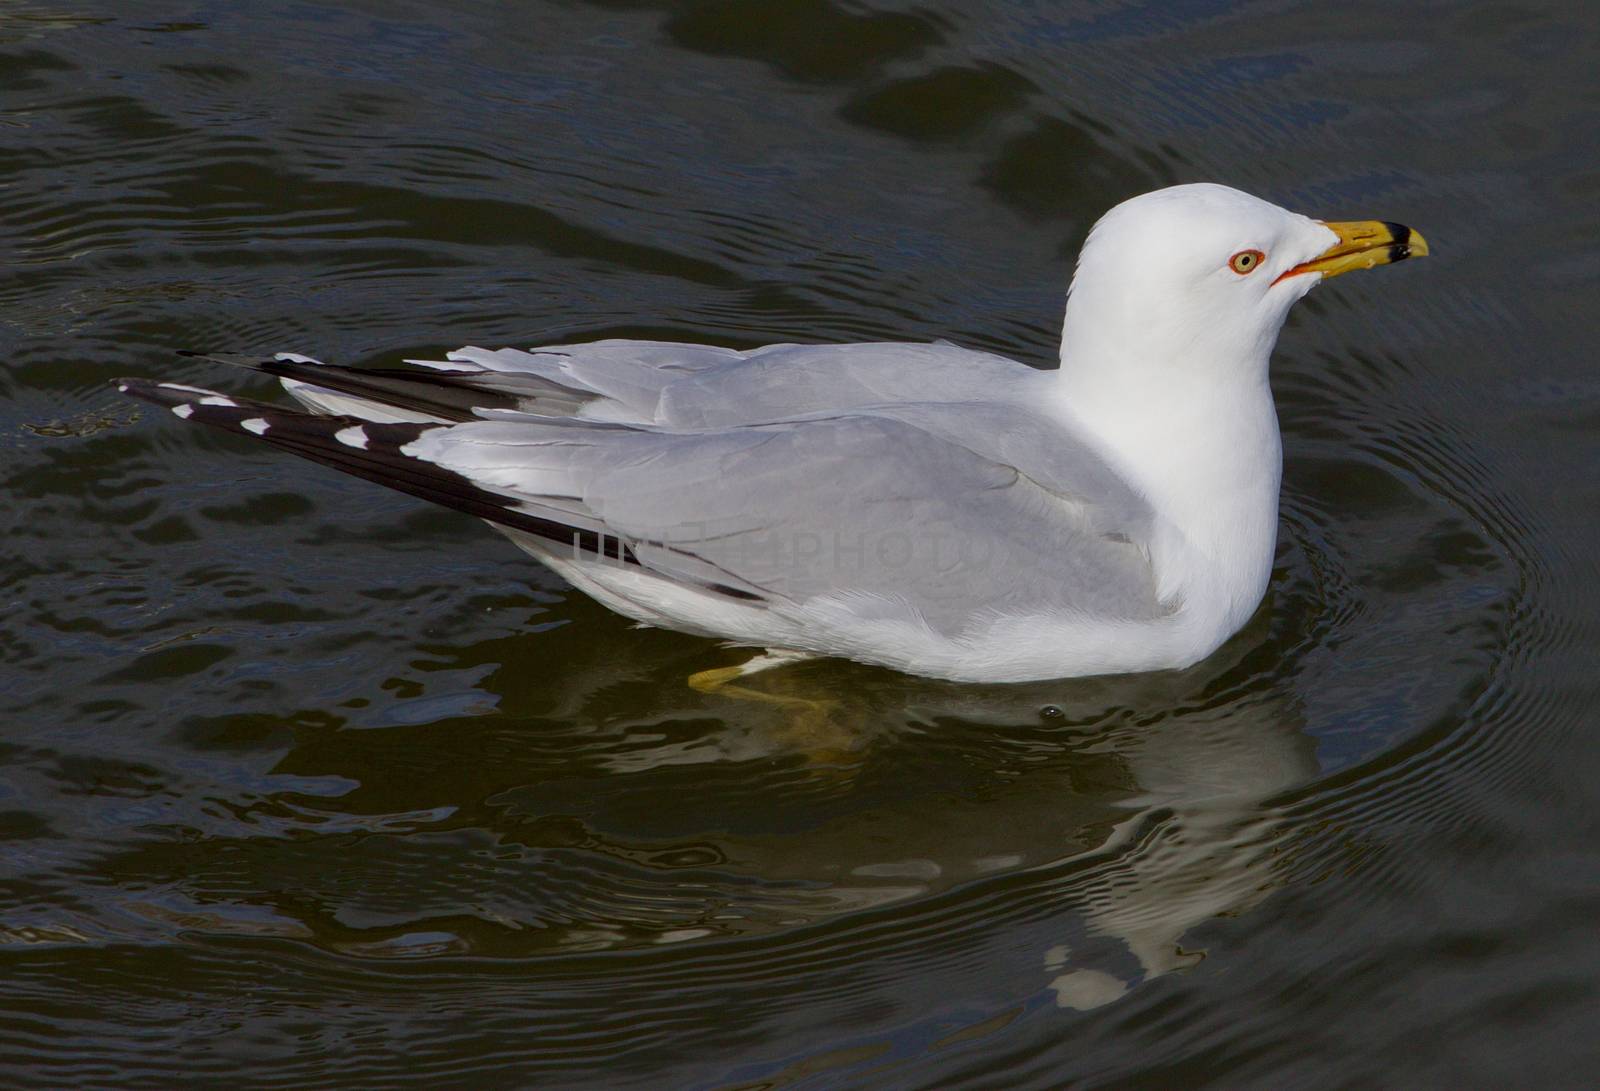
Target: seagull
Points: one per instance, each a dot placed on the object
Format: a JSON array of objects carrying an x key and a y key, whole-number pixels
[{"x": 925, "y": 507}]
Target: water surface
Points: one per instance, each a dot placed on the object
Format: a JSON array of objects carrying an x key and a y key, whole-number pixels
[{"x": 306, "y": 781}]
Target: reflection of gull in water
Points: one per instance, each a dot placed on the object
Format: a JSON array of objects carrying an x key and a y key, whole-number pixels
[
  {"x": 944, "y": 512},
  {"x": 603, "y": 807},
  {"x": 1212, "y": 854},
  {"x": 1136, "y": 831}
]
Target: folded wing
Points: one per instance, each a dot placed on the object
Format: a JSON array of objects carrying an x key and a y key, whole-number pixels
[
  {"x": 653, "y": 382},
  {"x": 944, "y": 512}
]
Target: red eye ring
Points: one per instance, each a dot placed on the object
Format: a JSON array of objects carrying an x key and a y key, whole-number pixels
[{"x": 1246, "y": 262}]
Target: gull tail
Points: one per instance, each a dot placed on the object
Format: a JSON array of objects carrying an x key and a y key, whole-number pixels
[
  {"x": 376, "y": 451},
  {"x": 439, "y": 393}
]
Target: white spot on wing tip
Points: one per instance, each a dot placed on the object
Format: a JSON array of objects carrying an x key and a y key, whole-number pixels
[
  {"x": 258, "y": 425},
  {"x": 184, "y": 411},
  {"x": 207, "y": 397},
  {"x": 353, "y": 436}
]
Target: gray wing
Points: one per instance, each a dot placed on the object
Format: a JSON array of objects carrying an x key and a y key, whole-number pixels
[
  {"x": 702, "y": 386},
  {"x": 783, "y": 381},
  {"x": 856, "y": 505},
  {"x": 656, "y": 383},
  {"x": 950, "y": 508}
]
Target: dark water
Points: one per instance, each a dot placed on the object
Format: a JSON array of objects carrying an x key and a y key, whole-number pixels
[{"x": 304, "y": 783}]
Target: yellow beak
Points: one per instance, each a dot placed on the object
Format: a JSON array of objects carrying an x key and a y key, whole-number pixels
[{"x": 1363, "y": 244}]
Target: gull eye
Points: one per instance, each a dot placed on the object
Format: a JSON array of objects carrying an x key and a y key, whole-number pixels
[{"x": 1245, "y": 261}]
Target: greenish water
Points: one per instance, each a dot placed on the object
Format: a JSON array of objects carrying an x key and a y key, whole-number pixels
[{"x": 304, "y": 783}]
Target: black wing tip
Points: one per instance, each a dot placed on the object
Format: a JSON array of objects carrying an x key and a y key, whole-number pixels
[
  {"x": 130, "y": 385},
  {"x": 172, "y": 394},
  {"x": 148, "y": 389},
  {"x": 375, "y": 454}
]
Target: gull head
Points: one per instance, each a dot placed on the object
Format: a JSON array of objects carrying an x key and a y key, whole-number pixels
[
  {"x": 1198, "y": 279},
  {"x": 1171, "y": 321}
]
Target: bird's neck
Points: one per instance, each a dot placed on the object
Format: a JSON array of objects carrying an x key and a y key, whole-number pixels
[{"x": 1202, "y": 446}]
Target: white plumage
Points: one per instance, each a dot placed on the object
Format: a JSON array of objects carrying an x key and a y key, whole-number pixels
[{"x": 933, "y": 509}]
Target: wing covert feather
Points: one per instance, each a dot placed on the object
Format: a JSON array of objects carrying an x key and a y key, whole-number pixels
[{"x": 853, "y": 504}]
